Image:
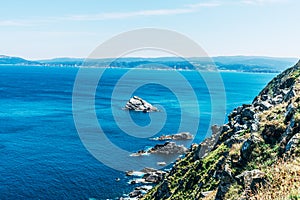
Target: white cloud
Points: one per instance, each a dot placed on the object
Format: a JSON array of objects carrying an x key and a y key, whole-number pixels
[
  {"x": 210, "y": 4},
  {"x": 192, "y": 8},
  {"x": 262, "y": 2},
  {"x": 122, "y": 15}
]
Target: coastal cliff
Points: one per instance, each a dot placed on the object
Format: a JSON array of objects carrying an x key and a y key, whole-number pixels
[{"x": 256, "y": 155}]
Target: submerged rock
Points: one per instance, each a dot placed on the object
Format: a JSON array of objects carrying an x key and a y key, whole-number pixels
[{"x": 138, "y": 104}]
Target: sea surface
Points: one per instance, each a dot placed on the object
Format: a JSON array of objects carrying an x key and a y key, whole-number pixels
[{"x": 42, "y": 155}]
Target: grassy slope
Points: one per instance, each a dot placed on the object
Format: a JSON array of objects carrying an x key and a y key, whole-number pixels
[{"x": 191, "y": 176}]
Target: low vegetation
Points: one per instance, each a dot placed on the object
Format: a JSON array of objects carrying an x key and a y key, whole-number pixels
[{"x": 257, "y": 155}]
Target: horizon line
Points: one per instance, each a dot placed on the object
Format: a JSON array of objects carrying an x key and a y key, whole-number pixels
[{"x": 149, "y": 57}]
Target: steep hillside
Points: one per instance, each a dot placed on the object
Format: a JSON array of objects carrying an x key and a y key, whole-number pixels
[{"x": 256, "y": 154}]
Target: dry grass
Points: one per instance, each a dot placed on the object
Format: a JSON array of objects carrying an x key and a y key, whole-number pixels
[
  {"x": 283, "y": 183},
  {"x": 211, "y": 196},
  {"x": 274, "y": 116},
  {"x": 235, "y": 149}
]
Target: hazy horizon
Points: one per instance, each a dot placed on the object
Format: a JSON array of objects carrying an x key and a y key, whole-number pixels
[{"x": 153, "y": 57}]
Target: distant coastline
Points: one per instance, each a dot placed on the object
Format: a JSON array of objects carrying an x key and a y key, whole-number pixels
[{"x": 223, "y": 63}]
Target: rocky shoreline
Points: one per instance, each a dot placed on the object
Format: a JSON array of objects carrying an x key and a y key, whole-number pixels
[
  {"x": 147, "y": 177},
  {"x": 256, "y": 155},
  {"x": 246, "y": 157}
]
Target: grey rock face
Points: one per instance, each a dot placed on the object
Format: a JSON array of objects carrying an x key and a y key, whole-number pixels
[
  {"x": 293, "y": 143},
  {"x": 138, "y": 104},
  {"x": 249, "y": 145},
  {"x": 177, "y": 136},
  {"x": 289, "y": 113},
  {"x": 169, "y": 148},
  {"x": 254, "y": 127},
  {"x": 250, "y": 178},
  {"x": 166, "y": 148},
  {"x": 248, "y": 113}
]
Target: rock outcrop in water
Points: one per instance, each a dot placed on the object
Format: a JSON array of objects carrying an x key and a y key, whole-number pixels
[
  {"x": 177, "y": 136},
  {"x": 138, "y": 104},
  {"x": 166, "y": 148},
  {"x": 256, "y": 155},
  {"x": 146, "y": 176}
]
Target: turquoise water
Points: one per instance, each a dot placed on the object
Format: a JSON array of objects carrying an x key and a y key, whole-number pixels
[{"x": 42, "y": 156}]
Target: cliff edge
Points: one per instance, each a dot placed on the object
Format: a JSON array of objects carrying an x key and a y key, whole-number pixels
[{"x": 256, "y": 155}]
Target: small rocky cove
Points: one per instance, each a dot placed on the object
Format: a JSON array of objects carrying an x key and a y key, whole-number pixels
[
  {"x": 147, "y": 177},
  {"x": 256, "y": 155}
]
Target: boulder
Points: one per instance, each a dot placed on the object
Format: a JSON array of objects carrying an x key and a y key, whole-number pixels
[
  {"x": 264, "y": 97},
  {"x": 293, "y": 143},
  {"x": 278, "y": 99},
  {"x": 177, "y": 136},
  {"x": 183, "y": 136},
  {"x": 225, "y": 128},
  {"x": 208, "y": 144},
  {"x": 289, "y": 95},
  {"x": 135, "y": 193},
  {"x": 168, "y": 148},
  {"x": 238, "y": 127},
  {"x": 138, "y": 104},
  {"x": 254, "y": 127},
  {"x": 290, "y": 111},
  {"x": 161, "y": 163},
  {"x": 248, "y": 146},
  {"x": 153, "y": 178},
  {"x": 248, "y": 113},
  {"x": 249, "y": 179},
  {"x": 148, "y": 170},
  {"x": 272, "y": 133},
  {"x": 287, "y": 83},
  {"x": 264, "y": 105},
  {"x": 239, "y": 109},
  {"x": 225, "y": 183},
  {"x": 287, "y": 135}
]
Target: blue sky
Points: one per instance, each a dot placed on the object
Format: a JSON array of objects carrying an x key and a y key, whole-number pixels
[{"x": 38, "y": 29}]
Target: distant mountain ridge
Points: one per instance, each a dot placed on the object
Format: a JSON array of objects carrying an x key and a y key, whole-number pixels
[
  {"x": 8, "y": 60},
  {"x": 228, "y": 63}
]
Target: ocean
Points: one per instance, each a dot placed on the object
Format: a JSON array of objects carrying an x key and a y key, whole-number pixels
[{"x": 42, "y": 154}]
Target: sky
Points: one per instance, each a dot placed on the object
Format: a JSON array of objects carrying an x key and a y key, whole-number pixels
[{"x": 40, "y": 29}]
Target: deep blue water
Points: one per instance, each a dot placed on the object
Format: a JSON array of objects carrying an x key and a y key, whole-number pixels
[{"x": 42, "y": 156}]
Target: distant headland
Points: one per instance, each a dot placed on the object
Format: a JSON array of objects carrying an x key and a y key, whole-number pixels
[{"x": 258, "y": 64}]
